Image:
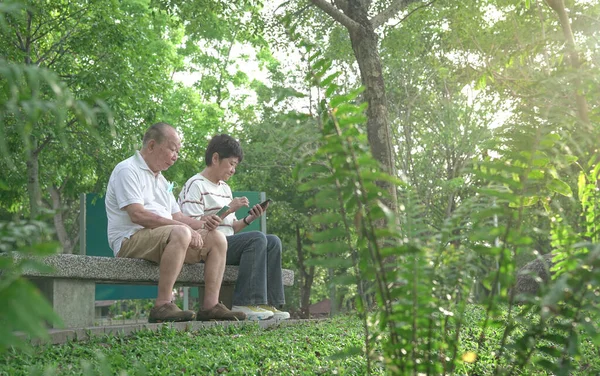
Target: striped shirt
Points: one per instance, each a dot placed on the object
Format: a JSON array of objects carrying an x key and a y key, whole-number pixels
[{"x": 200, "y": 196}]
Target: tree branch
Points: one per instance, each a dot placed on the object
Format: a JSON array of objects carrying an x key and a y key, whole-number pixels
[
  {"x": 46, "y": 202},
  {"x": 57, "y": 23},
  {"x": 342, "y": 4},
  {"x": 28, "y": 39},
  {"x": 15, "y": 27},
  {"x": 340, "y": 17},
  {"x": 59, "y": 54},
  {"x": 58, "y": 45},
  {"x": 414, "y": 10},
  {"x": 391, "y": 11},
  {"x": 21, "y": 45},
  {"x": 42, "y": 145}
]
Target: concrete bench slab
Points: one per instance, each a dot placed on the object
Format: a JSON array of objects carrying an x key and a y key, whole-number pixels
[
  {"x": 70, "y": 288},
  {"x": 124, "y": 270}
]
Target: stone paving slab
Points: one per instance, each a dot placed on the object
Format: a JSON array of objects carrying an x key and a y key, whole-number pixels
[{"x": 61, "y": 336}]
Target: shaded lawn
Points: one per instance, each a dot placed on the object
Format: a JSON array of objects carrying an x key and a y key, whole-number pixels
[
  {"x": 299, "y": 349},
  {"x": 310, "y": 348}
]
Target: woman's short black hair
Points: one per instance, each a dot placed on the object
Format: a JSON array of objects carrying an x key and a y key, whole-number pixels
[{"x": 226, "y": 146}]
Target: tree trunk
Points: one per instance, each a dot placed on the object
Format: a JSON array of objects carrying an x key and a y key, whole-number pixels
[
  {"x": 33, "y": 183},
  {"x": 365, "y": 45},
  {"x": 332, "y": 291},
  {"x": 59, "y": 223},
  {"x": 582, "y": 108},
  {"x": 306, "y": 277}
]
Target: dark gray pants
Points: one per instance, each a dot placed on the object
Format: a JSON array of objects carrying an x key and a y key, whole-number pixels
[{"x": 259, "y": 279}]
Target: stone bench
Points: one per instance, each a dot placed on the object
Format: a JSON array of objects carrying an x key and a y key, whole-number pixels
[{"x": 71, "y": 287}]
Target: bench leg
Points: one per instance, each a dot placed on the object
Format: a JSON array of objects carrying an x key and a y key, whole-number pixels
[
  {"x": 72, "y": 300},
  {"x": 225, "y": 295}
]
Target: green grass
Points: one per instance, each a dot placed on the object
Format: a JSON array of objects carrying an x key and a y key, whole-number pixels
[
  {"x": 310, "y": 348},
  {"x": 584, "y": 364},
  {"x": 301, "y": 349}
]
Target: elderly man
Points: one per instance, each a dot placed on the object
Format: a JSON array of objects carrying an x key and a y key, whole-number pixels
[{"x": 144, "y": 221}]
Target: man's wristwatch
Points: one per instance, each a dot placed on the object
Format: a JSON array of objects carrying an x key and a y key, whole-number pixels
[{"x": 246, "y": 222}]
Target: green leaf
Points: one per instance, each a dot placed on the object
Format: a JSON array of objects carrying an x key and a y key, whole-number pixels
[
  {"x": 546, "y": 364},
  {"x": 332, "y": 88},
  {"x": 525, "y": 201},
  {"x": 581, "y": 185},
  {"x": 313, "y": 169},
  {"x": 346, "y": 120},
  {"x": 347, "y": 108},
  {"x": 329, "y": 79},
  {"x": 549, "y": 140},
  {"x": 327, "y": 199},
  {"x": 344, "y": 280},
  {"x": 481, "y": 82},
  {"x": 325, "y": 218},
  {"x": 596, "y": 172},
  {"x": 346, "y": 353},
  {"x": 549, "y": 350},
  {"x": 317, "y": 183},
  {"x": 330, "y": 247},
  {"x": 329, "y": 234},
  {"x": 336, "y": 101},
  {"x": 331, "y": 262},
  {"x": 560, "y": 187},
  {"x": 536, "y": 175}
]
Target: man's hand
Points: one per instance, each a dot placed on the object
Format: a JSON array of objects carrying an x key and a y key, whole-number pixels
[
  {"x": 238, "y": 202},
  {"x": 197, "y": 241},
  {"x": 211, "y": 222}
]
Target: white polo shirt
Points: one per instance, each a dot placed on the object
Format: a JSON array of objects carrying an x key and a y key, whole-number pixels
[{"x": 132, "y": 182}]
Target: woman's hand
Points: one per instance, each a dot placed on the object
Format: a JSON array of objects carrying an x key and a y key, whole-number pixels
[{"x": 238, "y": 202}]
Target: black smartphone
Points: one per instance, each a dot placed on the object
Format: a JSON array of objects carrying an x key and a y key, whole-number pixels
[{"x": 264, "y": 204}]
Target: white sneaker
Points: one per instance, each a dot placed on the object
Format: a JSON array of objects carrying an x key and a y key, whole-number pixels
[
  {"x": 277, "y": 314},
  {"x": 253, "y": 312}
]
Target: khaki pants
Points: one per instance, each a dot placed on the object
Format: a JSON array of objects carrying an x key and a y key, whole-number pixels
[{"x": 149, "y": 244}]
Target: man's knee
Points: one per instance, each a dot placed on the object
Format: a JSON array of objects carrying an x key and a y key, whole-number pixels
[
  {"x": 216, "y": 240},
  {"x": 180, "y": 234}
]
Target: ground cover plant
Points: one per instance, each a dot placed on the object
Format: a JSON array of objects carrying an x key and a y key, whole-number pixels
[
  {"x": 301, "y": 349},
  {"x": 325, "y": 347}
]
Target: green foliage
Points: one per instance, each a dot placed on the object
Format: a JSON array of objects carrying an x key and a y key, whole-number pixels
[
  {"x": 421, "y": 277},
  {"x": 97, "y": 56},
  {"x": 24, "y": 101},
  {"x": 24, "y": 309},
  {"x": 29, "y": 95}
]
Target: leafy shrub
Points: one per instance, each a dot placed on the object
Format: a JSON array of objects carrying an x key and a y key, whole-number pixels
[
  {"x": 422, "y": 285},
  {"x": 24, "y": 308},
  {"x": 28, "y": 95}
]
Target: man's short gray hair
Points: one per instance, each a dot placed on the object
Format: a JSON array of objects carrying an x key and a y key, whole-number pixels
[{"x": 156, "y": 132}]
